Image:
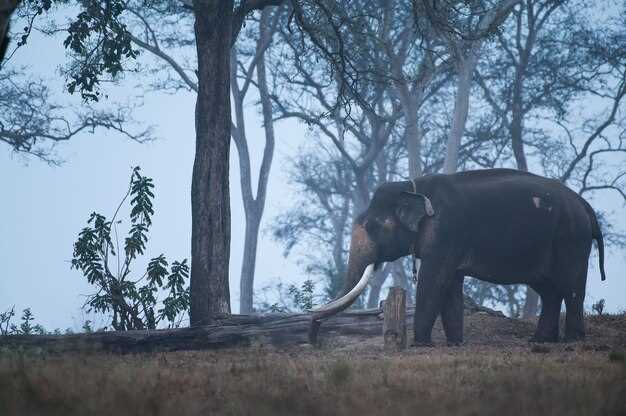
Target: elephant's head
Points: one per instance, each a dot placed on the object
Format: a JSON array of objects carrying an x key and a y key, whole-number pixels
[{"x": 386, "y": 231}]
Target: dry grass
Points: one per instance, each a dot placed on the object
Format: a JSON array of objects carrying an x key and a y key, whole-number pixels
[{"x": 355, "y": 378}]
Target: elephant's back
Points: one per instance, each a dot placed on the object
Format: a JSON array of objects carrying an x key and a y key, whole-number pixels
[{"x": 512, "y": 186}]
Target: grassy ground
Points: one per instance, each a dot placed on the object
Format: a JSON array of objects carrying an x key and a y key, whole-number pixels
[{"x": 350, "y": 377}]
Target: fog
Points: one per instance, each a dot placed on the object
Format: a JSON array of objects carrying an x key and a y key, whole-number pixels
[{"x": 44, "y": 207}]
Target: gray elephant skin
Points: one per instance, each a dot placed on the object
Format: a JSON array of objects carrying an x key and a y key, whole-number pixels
[{"x": 498, "y": 225}]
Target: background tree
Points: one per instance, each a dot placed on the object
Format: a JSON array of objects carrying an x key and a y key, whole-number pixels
[
  {"x": 367, "y": 126},
  {"x": 463, "y": 27},
  {"x": 378, "y": 83},
  {"x": 357, "y": 132},
  {"x": 155, "y": 28},
  {"x": 31, "y": 123},
  {"x": 546, "y": 62},
  {"x": 103, "y": 47},
  {"x": 248, "y": 68}
]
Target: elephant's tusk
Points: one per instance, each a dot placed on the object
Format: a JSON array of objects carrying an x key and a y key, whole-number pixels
[{"x": 345, "y": 301}]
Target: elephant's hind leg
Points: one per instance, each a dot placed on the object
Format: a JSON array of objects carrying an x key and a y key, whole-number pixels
[
  {"x": 575, "y": 281},
  {"x": 574, "y": 318},
  {"x": 452, "y": 311},
  {"x": 548, "y": 325},
  {"x": 574, "y": 306}
]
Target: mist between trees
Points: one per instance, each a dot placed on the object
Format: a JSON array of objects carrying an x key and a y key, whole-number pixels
[{"x": 384, "y": 90}]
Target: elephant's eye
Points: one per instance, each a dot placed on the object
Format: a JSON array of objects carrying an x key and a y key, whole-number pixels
[{"x": 373, "y": 227}]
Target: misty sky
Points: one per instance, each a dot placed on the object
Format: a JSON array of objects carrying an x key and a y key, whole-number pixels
[{"x": 43, "y": 207}]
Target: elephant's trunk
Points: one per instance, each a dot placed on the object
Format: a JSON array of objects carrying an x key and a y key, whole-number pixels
[{"x": 360, "y": 270}]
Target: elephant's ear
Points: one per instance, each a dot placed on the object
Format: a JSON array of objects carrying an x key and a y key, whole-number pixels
[{"x": 411, "y": 208}]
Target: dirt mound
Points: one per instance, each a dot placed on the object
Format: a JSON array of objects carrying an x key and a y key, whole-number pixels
[{"x": 606, "y": 332}]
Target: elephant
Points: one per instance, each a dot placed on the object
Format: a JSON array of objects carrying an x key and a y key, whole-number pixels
[{"x": 498, "y": 225}]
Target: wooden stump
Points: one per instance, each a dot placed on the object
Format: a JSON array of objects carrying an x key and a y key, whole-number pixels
[{"x": 394, "y": 321}]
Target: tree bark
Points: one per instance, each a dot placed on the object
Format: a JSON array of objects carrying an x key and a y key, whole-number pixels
[
  {"x": 531, "y": 302},
  {"x": 466, "y": 57},
  {"x": 248, "y": 263},
  {"x": 339, "y": 259},
  {"x": 394, "y": 323},
  {"x": 413, "y": 137},
  {"x": 517, "y": 116},
  {"x": 377, "y": 283},
  {"x": 465, "y": 70},
  {"x": 210, "y": 197},
  {"x": 228, "y": 331},
  {"x": 7, "y": 7},
  {"x": 253, "y": 207},
  {"x": 400, "y": 278},
  {"x": 412, "y": 133}
]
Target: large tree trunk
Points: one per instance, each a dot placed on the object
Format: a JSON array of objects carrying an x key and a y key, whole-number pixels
[
  {"x": 339, "y": 258},
  {"x": 465, "y": 70},
  {"x": 399, "y": 275},
  {"x": 412, "y": 134},
  {"x": 377, "y": 284},
  {"x": 516, "y": 135},
  {"x": 7, "y": 7},
  {"x": 413, "y": 138},
  {"x": 248, "y": 264},
  {"x": 210, "y": 198},
  {"x": 531, "y": 303},
  {"x": 254, "y": 207}
]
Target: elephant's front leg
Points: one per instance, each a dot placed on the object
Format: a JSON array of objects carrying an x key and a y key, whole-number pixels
[
  {"x": 434, "y": 281},
  {"x": 452, "y": 311}
]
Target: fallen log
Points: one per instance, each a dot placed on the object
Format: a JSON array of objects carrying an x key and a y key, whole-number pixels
[{"x": 229, "y": 331}]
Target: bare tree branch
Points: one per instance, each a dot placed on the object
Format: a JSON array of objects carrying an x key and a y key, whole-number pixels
[{"x": 31, "y": 123}]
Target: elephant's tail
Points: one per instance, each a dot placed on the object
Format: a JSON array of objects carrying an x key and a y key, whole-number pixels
[{"x": 596, "y": 233}]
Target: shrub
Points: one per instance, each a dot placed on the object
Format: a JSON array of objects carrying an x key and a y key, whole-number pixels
[
  {"x": 132, "y": 302},
  {"x": 598, "y": 307},
  {"x": 290, "y": 298},
  {"x": 27, "y": 327}
]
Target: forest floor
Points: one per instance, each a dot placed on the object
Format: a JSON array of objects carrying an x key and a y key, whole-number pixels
[{"x": 496, "y": 372}]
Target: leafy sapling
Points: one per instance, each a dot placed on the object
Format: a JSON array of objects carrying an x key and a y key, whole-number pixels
[{"x": 131, "y": 301}]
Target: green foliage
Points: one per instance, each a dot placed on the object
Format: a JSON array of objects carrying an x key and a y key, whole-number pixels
[
  {"x": 87, "y": 328},
  {"x": 35, "y": 8},
  {"x": 101, "y": 43},
  {"x": 303, "y": 297},
  {"x": 132, "y": 303},
  {"x": 598, "y": 307},
  {"x": 5, "y": 321},
  {"x": 287, "y": 298},
  {"x": 26, "y": 327}
]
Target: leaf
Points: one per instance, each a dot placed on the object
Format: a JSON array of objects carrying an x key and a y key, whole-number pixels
[
  {"x": 135, "y": 243},
  {"x": 157, "y": 270},
  {"x": 141, "y": 201},
  {"x": 100, "y": 43}
]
